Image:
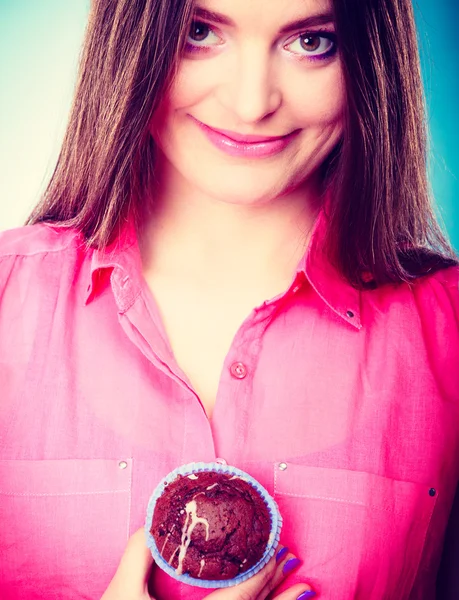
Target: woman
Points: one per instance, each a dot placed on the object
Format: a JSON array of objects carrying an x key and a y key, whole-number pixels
[{"x": 236, "y": 258}]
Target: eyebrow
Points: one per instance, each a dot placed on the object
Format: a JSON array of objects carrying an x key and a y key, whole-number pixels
[{"x": 312, "y": 21}]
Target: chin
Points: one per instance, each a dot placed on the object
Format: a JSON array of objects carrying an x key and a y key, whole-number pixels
[
  {"x": 244, "y": 195},
  {"x": 241, "y": 186}
]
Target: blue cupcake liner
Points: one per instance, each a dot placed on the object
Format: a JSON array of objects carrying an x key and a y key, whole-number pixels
[{"x": 189, "y": 469}]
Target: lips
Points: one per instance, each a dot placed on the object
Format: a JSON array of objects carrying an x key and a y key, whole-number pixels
[
  {"x": 246, "y": 139},
  {"x": 236, "y": 144},
  {"x": 238, "y": 137}
]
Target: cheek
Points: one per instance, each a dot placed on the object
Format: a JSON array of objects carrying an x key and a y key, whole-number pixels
[
  {"x": 187, "y": 90},
  {"x": 318, "y": 97},
  {"x": 193, "y": 83}
]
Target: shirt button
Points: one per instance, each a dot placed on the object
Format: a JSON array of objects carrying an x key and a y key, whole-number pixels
[
  {"x": 432, "y": 492},
  {"x": 282, "y": 466},
  {"x": 350, "y": 314},
  {"x": 122, "y": 464},
  {"x": 221, "y": 461},
  {"x": 238, "y": 370}
]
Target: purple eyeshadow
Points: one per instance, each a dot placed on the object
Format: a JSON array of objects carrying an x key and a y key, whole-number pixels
[
  {"x": 189, "y": 48},
  {"x": 333, "y": 50}
]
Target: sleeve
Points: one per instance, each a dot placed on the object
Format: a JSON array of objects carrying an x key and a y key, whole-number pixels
[
  {"x": 451, "y": 280},
  {"x": 448, "y": 574},
  {"x": 437, "y": 299},
  {"x": 7, "y": 272},
  {"x": 10, "y": 329},
  {"x": 15, "y": 245}
]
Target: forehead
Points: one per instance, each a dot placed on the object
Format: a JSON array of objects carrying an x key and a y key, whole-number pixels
[{"x": 265, "y": 14}]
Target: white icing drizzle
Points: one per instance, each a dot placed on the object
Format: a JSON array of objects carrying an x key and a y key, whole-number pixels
[
  {"x": 238, "y": 477},
  {"x": 203, "y": 562},
  {"x": 192, "y": 476},
  {"x": 191, "y": 521},
  {"x": 173, "y": 555},
  {"x": 165, "y": 542},
  {"x": 211, "y": 486}
]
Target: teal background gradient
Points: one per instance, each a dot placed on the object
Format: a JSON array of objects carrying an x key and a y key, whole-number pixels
[{"x": 39, "y": 49}]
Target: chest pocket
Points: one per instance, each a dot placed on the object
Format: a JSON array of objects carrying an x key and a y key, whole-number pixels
[
  {"x": 360, "y": 535},
  {"x": 64, "y": 526}
]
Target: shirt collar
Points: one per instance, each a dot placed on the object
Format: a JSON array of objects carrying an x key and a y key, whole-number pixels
[
  {"x": 327, "y": 281},
  {"x": 121, "y": 263}
]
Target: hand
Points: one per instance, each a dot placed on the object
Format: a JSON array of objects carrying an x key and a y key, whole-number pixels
[{"x": 130, "y": 581}]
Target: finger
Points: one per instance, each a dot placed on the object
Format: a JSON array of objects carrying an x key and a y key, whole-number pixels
[
  {"x": 286, "y": 563},
  {"x": 300, "y": 591},
  {"x": 248, "y": 590},
  {"x": 133, "y": 572},
  {"x": 137, "y": 560}
]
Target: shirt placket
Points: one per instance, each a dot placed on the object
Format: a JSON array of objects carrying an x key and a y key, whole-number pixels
[
  {"x": 147, "y": 335},
  {"x": 231, "y": 420}
]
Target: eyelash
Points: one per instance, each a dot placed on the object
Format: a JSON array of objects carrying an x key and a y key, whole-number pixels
[{"x": 330, "y": 36}]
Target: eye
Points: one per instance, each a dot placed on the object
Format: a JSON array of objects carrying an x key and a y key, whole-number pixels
[
  {"x": 201, "y": 35},
  {"x": 313, "y": 45}
]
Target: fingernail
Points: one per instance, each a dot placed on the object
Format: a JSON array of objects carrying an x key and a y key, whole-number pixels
[
  {"x": 281, "y": 554},
  {"x": 291, "y": 564},
  {"x": 306, "y": 595}
]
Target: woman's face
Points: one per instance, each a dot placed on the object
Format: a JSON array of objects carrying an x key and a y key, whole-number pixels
[{"x": 257, "y": 104}]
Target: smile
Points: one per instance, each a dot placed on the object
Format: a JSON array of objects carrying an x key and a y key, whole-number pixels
[{"x": 249, "y": 146}]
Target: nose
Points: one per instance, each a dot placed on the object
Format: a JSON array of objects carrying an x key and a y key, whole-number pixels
[{"x": 250, "y": 90}]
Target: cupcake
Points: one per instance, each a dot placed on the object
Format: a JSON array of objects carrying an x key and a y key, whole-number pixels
[{"x": 211, "y": 525}]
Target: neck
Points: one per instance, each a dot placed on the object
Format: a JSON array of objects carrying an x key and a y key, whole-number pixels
[{"x": 189, "y": 233}]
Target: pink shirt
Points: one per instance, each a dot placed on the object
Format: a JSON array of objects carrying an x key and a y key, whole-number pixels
[{"x": 343, "y": 404}]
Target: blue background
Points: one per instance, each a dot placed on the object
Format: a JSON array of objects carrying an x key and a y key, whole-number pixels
[
  {"x": 39, "y": 48},
  {"x": 438, "y": 22}
]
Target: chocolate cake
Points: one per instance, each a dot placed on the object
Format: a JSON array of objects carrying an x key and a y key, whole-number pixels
[{"x": 211, "y": 525}]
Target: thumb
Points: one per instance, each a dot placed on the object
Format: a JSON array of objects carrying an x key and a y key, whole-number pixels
[{"x": 131, "y": 578}]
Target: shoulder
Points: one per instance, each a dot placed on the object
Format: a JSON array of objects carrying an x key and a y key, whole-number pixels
[
  {"x": 39, "y": 256},
  {"x": 37, "y": 239},
  {"x": 430, "y": 294},
  {"x": 436, "y": 304},
  {"x": 420, "y": 319},
  {"x": 432, "y": 303},
  {"x": 439, "y": 292},
  {"x": 448, "y": 278}
]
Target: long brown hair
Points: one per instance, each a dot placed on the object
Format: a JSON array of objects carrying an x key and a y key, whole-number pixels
[
  {"x": 106, "y": 162},
  {"x": 381, "y": 219}
]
